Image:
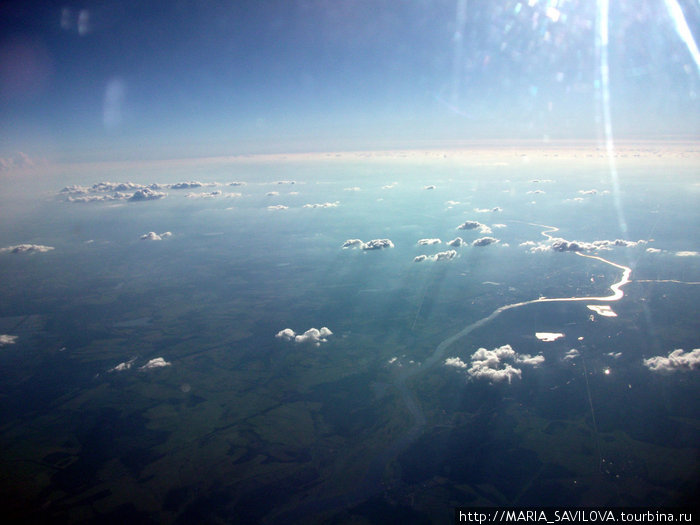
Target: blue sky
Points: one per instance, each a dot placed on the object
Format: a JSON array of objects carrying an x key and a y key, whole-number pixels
[{"x": 112, "y": 79}]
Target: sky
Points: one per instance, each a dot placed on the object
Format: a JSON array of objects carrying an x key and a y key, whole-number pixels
[{"x": 133, "y": 80}]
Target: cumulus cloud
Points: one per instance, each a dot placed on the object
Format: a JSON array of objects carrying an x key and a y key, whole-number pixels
[
  {"x": 158, "y": 362},
  {"x": 377, "y": 244},
  {"x": 278, "y": 207},
  {"x": 312, "y": 335},
  {"x": 153, "y": 236},
  {"x": 449, "y": 204},
  {"x": 354, "y": 188},
  {"x": 440, "y": 256},
  {"x": 653, "y": 250},
  {"x": 111, "y": 191},
  {"x": 488, "y": 210},
  {"x": 322, "y": 205},
  {"x": 27, "y": 248},
  {"x": 495, "y": 365},
  {"x": 146, "y": 194},
  {"x": 6, "y": 339},
  {"x": 484, "y": 241},
  {"x": 558, "y": 244},
  {"x": 237, "y": 183},
  {"x": 474, "y": 225},
  {"x": 272, "y": 193},
  {"x": 374, "y": 244},
  {"x": 186, "y": 185},
  {"x": 430, "y": 187},
  {"x": 678, "y": 360},
  {"x": 427, "y": 242},
  {"x": 126, "y": 365},
  {"x": 286, "y": 182},
  {"x": 389, "y": 186},
  {"x": 588, "y": 192},
  {"x": 535, "y": 181},
  {"x": 352, "y": 243},
  {"x": 456, "y": 242},
  {"x": 687, "y": 254},
  {"x": 455, "y": 362},
  {"x": 535, "y": 192}
]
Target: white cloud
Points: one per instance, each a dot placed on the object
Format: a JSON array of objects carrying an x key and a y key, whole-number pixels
[
  {"x": 322, "y": 205},
  {"x": 352, "y": 243},
  {"x": 153, "y": 236},
  {"x": 278, "y": 207},
  {"x": 457, "y": 242},
  {"x": 237, "y": 183},
  {"x": 157, "y": 362},
  {"x": 535, "y": 192},
  {"x": 6, "y": 339},
  {"x": 588, "y": 192},
  {"x": 455, "y": 362},
  {"x": 474, "y": 225},
  {"x": 614, "y": 355},
  {"x": 541, "y": 181},
  {"x": 687, "y": 254},
  {"x": 449, "y": 204},
  {"x": 678, "y": 360},
  {"x": 440, "y": 256},
  {"x": 272, "y": 193},
  {"x": 374, "y": 244},
  {"x": 495, "y": 365},
  {"x": 430, "y": 187},
  {"x": 27, "y": 248},
  {"x": 548, "y": 337},
  {"x": 484, "y": 241},
  {"x": 312, "y": 335},
  {"x": 426, "y": 242},
  {"x": 488, "y": 210},
  {"x": 126, "y": 365},
  {"x": 146, "y": 194},
  {"x": 499, "y": 226},
  {"x": 185, "y": 185},
  {"x": 571, "y": 354},
  {"x": 354, "y": 188},
  {"x": 286, "y": 182},
  {"x": 557, "y": 244},
  {"x": 527, "y": 359},
  {"x": 377, "y": 244},
  {"x": 653, "y": 250},
  {"x": 389, "y": 186}
]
